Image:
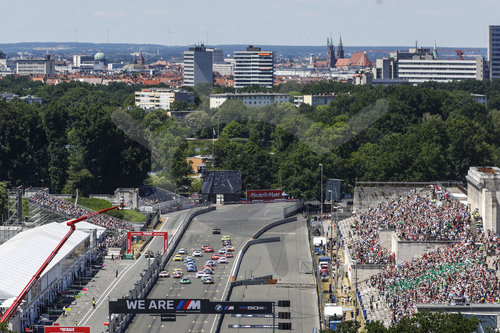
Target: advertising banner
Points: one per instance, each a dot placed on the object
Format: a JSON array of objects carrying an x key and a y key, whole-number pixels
[
  {"x": 59, "y": 329},
  {"x": 161, "y": 306},
  {"x": 265, "y": 195}
]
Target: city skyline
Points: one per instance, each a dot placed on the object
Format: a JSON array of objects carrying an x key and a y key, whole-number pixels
[{"x": 277, "y": 22}]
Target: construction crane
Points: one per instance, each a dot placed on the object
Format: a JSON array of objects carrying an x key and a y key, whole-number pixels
[
  {"x": 460, "y": 54},
  {"x": 12, "y": 310}
]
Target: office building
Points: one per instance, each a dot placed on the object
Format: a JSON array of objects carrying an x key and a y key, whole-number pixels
[
  {"x": 217, "y": 55},
  {"x": 35, "y": 66},
  {"x": 198, "y": 66},
  {"x": 224, "y": 69},
  {"x": 253, "y": 67},
  {"x": 161, "y": 98},
  {"x": 249, "y": 99},
  {"x": 494, "y": 52},
  {"x": 3, "y": 60},
  {"x": 420, "y": 65}
]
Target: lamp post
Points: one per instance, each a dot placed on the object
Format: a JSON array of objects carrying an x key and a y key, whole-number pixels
[{"x": 321, "y": 203}]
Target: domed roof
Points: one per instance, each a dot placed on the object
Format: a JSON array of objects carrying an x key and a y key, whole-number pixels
[{"x": 99, "y": 56}]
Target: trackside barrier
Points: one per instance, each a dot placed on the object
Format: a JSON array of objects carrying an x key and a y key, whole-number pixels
[
  {"x": 260, "y": 280},
  {"x": 272, "y": 225},
  {"x": 177, "y": 238},
  {"x": 293, "y": 209},
  {"x": 245, "y": 248}
]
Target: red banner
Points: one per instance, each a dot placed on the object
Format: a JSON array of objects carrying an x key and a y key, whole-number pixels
[
  {"x": 60, "y": 329},
  {"x": 266, "y": 195}
]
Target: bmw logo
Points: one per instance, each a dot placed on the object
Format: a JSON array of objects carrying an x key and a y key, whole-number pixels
[{"x": 218, "y": 308}]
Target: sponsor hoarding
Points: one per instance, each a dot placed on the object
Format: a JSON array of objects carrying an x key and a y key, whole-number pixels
[
  {"x": 264, "y": 194},
  {"x": 160, "y": 306},
  {"x": 59, "y": 329}
]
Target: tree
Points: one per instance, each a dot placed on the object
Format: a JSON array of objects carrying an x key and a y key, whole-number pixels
[
  {"x": 197, "y": 121},
  {"x": 179, "y": 105},
  {"x": 4, "y": 328},
  {"x": 436, "y": 322},
  {"x": 181, "y": 169},
  {"x": 3, "y": 199}
]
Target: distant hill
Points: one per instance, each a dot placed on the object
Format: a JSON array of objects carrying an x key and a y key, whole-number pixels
[{"x": 123, "y": 52}]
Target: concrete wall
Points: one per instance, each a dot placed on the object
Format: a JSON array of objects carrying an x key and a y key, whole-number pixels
[
  {"x": 483, "y": 192},
  {"x": 385, "y": 238},
  {"x": 370, "y": 196},
  {"x": 407, "y": 250}
]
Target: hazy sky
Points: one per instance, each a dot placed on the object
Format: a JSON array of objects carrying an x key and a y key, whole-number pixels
[{"x": 278, "y": 22}]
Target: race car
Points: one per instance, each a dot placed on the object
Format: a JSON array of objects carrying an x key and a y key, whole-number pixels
[
  {"x": 209, "y": 249},
  {"x": 197, "y": 253},
  {"x": 185, "y": 280},
  {"x": 207, "y": 280},
  {"x": 229, "y": 254},
  {"x": 215, "y": 256},
  {"x": 177, "y": 257},
  {"x": 177, "y": 275},
  {"x": 182, "y": 251},
  {"x": 164, "y": 274},
  {"x": 222, "y": 260}
]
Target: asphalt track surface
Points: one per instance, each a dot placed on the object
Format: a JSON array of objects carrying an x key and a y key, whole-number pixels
[
  {"x": 238, "y": 221},
  {"x": 289, "y": 261},
  {"x": 106, "y": 284}
]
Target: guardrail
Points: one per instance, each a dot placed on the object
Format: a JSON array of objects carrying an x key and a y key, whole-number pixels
[
  {"x": 272, "y": 225},
  {"x": 293, "y": 209}
]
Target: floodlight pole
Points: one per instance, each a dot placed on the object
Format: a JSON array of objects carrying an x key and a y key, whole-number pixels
[{"x": 321, "y": 203}]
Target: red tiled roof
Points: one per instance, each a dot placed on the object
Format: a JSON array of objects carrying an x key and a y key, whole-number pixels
[
  {"x": 360, "y": 59},
  {"x": 342, "y": 62}
]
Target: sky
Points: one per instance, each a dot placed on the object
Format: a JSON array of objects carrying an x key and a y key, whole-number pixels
[{"x": 260, "y": 22}]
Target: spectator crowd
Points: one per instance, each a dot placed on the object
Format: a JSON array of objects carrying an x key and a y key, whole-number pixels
[
  {"x": 458, "y": 272},
  {"x": 116, "y": 228},
  {"x": 415, "y": 217}
]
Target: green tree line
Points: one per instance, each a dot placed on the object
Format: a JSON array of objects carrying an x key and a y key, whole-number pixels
[{"x": 93, "y": 139}]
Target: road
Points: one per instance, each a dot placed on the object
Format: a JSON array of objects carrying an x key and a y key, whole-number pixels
[
  {"x": 105, "y": 284},
  {"x": 238, "y": 221},
  {"x": 290, "y": 262}
]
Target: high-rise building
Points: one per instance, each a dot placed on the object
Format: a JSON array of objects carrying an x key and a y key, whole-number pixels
[
  {"x": 3, "y": 59},
  {"x": 217, "y": 55},
  {"x": 494, "y": 52},
  {"x": 198, "y": 66},
  {"x": 330, "y": 54},
  {"x": 340, "y": 49},
  {"x": 35, "y": 66},
  {"x": 253, "y": 67}
]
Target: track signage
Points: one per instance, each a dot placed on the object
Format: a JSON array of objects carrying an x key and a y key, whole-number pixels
[
  {"x": 60, "y": 329},
  {"x": 161, "y": 306}
]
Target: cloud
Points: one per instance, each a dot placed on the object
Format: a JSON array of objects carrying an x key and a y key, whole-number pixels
[{"x": 107, "y": 15}]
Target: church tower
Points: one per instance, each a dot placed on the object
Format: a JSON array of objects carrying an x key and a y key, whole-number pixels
[
  {"x": 330, "y": 57},
  {"x": 340, "y": 49}
]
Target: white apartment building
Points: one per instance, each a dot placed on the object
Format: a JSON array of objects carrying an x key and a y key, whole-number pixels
[
  {"x": 313, "y": 100},
  {"x": 494, "y": 52},
  {"x": 440, "y": 70},
  {"x": 253, "y": 66},
  {"x": 161, "y": 98},
  {"x": 249, "y": 99},
  {"x": 35, "y": 66},
  {"x": 198, "y": 66},
  {"x": 3, "y": 60}
]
